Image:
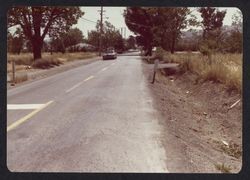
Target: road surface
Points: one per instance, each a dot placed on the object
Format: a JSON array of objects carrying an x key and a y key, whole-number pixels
[{"x": 93, "y": 118}]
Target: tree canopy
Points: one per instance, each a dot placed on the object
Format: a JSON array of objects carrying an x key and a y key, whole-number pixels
[
  {"x": 212, "y": 19},
  {"x": 72, "y": 37},
  {"x": 156, "y": 26},
  {"x": 37, "y": 22},
  {"x": 110, "y": 36}
]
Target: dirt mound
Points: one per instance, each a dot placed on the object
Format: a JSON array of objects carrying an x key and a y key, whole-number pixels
[{"x": 205, "y": 134}]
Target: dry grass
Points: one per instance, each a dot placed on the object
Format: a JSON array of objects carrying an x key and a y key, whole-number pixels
[
  {"x": 26, "y": 59},
  {"x": 19, "y": 77},
  {"x": 224, "y": 68},
  {"x": 223, "y": 168},
  {"x": 233, "y": 150},
  {"x": 46, "y": 63}
]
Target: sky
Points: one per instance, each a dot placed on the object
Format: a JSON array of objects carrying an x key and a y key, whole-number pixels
[{"x": 114, "y": 15}]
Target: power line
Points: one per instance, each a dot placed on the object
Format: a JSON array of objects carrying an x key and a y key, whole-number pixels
[{"x": 88, "y": 20}]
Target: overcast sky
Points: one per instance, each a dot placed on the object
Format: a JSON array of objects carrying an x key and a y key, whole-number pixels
[{"x": 114, "y": 15}]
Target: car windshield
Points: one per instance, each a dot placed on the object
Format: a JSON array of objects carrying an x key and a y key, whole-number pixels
[{"x": 110, "y": 51}]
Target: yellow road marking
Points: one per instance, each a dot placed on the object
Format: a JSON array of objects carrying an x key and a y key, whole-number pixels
[
  {"x": 25, "y": 118},
  {"x": 80, "y": 83},
  {"x": 75, "y": 86},
  {"x": 90, "y": 77},
  {"x": 104, "y": 69}
]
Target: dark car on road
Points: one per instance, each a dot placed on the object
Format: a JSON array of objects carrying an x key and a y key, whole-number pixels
[{"x": 109, "y": 54}]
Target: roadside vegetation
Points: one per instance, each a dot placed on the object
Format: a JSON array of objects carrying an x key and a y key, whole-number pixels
[
  {"x": 223, "y": 168},
  {"x": 213, "y": 53},
  {"x": 223, "y": 68},
  {"x": 25, "y": 61}
]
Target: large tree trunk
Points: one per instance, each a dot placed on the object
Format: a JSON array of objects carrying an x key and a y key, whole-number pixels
[
  {"x": 173, "y": 45},
  {"x": 37, "y": 48},
  {"x": 37, "y": 39},
  {"x": 149, "y": 48}
]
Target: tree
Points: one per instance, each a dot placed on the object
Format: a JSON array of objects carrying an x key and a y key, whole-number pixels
[
  {"x": 168, "y": 23},
  {"x": 72, "y": 37},
  {"x": 15, "y": 41},
  {"x": 37, "y": 22},
  {"x": 139, "y": 20},
  {"x": 110, "y": 36},
  {"x": 212, "y": 19},
  {"x": 235, "y": 40},
  {"x": 157, "y": 26},
  {"x": 93, "y": 38},
  {"x": 237, "y": 21},
  {"x": 57, "y": 45},
  {"x": 131, "y": 41}
]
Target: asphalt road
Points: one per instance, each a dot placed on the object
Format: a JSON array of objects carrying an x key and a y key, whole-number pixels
[{"x": 93, "y": 118}]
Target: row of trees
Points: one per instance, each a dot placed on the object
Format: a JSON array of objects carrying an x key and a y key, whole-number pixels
[
  {"x": 50, "y": 29},
  {"x": 156, "y": 26},
  {"x": 110, "y": 36},
  {"x": 215, "y": 37},
  {"x": 17, "y": 41},
  {"x": 71, "y": 41},
  {"x": 153, "y": 26}
]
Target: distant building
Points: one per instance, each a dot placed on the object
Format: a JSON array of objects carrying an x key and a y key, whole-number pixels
[{"x": 81, "y": 47}]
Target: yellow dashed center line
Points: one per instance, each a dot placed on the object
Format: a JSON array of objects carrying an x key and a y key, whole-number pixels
[
  {"x": 104, "y": 69},
  {"x": 25, "y": 118},
  {"x": 90, "y": 77},
  {"x": 79, "y": 84},
  {"x": 75, "y": 86}
]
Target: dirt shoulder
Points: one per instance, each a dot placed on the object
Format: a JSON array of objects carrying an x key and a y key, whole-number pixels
[{"x": 200, "y": 134}]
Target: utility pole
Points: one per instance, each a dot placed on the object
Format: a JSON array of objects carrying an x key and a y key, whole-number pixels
[
  {"x": 125, "y": 32},
  {"x": 13, "y": 73},
  {"x": 101, "y": 33},
  {"x": 121, "y": 31}
]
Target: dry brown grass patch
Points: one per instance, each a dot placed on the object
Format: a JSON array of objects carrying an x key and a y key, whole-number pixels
[{"x": 224, "y": 68}]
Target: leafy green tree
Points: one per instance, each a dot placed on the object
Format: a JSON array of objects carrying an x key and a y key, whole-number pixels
[
  {"x": 37, "y": 22},
  {"x": 15, "y": 41},
  {"x": 157, "y": 26},
  {"x": 57, "y": 45},
  {"x": 72, "y": 37},
  {"x": 131, "y": 42},
  {"x": 235, "y": 40},
  {"x": 140, "y": 21},
  {"x": 93, "y": 38},
  {"x": 168, "y": 23},
  {"x": 212, "y": 19},
  {"x": 110, "y": 36},
  {"x": 237, "y": 21}
]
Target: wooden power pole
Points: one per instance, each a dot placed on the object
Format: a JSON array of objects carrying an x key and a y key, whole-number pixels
[{"x": 101, "y": 32}]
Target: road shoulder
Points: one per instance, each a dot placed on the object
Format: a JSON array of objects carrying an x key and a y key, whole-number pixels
[{"x": 197, "y": 124}]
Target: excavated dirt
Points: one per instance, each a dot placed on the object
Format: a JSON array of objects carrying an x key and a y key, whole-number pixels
[{"x": 201, "y": 134}]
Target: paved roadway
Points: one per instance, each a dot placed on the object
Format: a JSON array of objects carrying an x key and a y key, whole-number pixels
[{"x": 93, "y": 118}]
